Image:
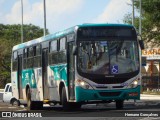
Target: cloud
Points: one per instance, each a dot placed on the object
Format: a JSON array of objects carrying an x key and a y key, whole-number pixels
[
  {"x": 33, "y": 12},
  {"x": 14, "y": 16},
  {"x": 114, "y": 11}
]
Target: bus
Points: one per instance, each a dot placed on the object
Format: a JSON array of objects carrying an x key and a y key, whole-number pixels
[{"x": 88, "y": 63}]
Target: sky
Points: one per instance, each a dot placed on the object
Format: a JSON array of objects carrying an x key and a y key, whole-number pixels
[{"x": 62, "y": 14}]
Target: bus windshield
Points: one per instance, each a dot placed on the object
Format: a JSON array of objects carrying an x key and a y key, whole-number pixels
[{"x": 108, "y": 57}]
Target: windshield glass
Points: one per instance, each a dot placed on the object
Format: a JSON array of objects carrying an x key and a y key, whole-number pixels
[{"x": 108, "y": 57}]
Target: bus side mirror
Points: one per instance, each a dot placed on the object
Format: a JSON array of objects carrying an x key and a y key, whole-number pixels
[
  {"x": 74, "y": 50},
  {"x": 141, "y": 43}
]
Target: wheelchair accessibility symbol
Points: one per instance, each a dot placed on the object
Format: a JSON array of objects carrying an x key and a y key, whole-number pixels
[{"x": 114, "y": 69}]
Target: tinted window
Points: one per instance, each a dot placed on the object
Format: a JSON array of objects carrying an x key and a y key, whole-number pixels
[
  {"x": 63, "y": 44},
  {"x": 15, "y": 61},
  {"x": 6, "y": 90},
  {"x": 53, "y": 46},
  {"x": 15, "y": 55},
  {"x": 37, "y": 56},
  {"x": 10, "y": 89},
  {"x": 30, "y": 52},
  {"x": 38, "y": 50},
  {"x": 110, "y": 31}
]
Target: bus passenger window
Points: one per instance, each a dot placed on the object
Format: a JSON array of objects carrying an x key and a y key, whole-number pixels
[
  {"x": 30, "y": 58},
  {"x": 53, "y": 46},
  {"x": 62, "y": 53},
  {"x": 30, "y": 52},
  {"x": 38, "y": 50},
  {"x": 53, "y": 54},
  {"x": 15, "y": 55},
  {"x": 15, "y": 61},
  {"x": 63, "y": 44},
  {"x": 25, "y": 58},
  {"x": 37, "y": 56}
]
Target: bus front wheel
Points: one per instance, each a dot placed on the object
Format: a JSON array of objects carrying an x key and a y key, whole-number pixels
[
  {"x": 119, "y": 104},
  {"x": 65, "y": 104}
]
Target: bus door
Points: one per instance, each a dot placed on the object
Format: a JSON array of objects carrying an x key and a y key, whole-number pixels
[
  {"x": 44, "y": 74},
  {"x": 71, "y": 70},
  {"x": 20, "y": 76}
]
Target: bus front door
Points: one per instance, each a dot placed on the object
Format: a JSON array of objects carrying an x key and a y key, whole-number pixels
[
  {"x": 71, "y": 70},
  {"x": 44, "y": 74},
  {"x": 20, "y": 76}
]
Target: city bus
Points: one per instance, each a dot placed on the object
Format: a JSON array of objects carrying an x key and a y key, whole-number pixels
[{"x": 88, "y": 63}]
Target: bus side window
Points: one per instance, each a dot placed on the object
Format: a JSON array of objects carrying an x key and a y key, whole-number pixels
[
  {"x": 25, "y": 58},
  {"x": 53, "y": 54},
  {"x": 37, "y": 56},
  {"x": 53, "y": 46},
  {"x": 30, "y": 57},
  {"x": 62, "y": 53},
  {"x": 15, "y": 61}
]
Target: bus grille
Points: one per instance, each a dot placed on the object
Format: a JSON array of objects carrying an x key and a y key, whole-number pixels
[
  {"x": 110, "y": 80},
  {"x": 109, "y": 94}
]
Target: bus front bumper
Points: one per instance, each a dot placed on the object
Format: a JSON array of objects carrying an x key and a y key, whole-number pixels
[{"x": 83, "y": 95}]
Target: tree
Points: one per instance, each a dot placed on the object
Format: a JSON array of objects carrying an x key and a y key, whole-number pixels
[
  {"x": 10, "y": 35},
  {"x": 150, "y": 21}
]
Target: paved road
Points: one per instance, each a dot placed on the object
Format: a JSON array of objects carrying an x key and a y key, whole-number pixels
[
  {"x": 149, "y": 105},
  {"x": 98, "y": 112}
]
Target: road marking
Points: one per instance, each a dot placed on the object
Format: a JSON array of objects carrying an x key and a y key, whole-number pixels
[{"x": 22, "y": 110}]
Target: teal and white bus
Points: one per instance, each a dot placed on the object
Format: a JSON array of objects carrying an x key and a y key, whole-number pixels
[{"x": 88, "y": 63}]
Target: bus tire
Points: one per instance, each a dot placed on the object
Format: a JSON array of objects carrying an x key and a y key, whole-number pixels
[
  {"x": 30, "y": 105},
  {"x": 33, "y": 105},
  {"x": 65, "y": 104},
  {"x": 119, "y": 104}
]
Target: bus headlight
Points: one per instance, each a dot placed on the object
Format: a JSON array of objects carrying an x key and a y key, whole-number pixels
[
  {"x": 83, "y": 84},
  {"x": 133, "y": 84}
]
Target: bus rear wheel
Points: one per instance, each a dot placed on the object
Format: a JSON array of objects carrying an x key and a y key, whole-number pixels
[
  {"x": 33, "y": 105},
  {"x": 119, "y": 104},
  {"x": 29, "y": 101}
]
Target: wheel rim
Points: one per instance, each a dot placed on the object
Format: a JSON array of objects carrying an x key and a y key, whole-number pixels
[{"x": 15, "y": 103}]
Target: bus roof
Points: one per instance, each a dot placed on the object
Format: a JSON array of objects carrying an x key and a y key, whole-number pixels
[{"x": 62, "y": 33}]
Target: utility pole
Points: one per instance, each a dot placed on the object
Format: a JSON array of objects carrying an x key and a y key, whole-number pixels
[
  {"x": 133, "y": 12},
  {"x": 22, "y": 21},
  {"x": 44, "y": 3},
  {"x": 140, "y": 17}
]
